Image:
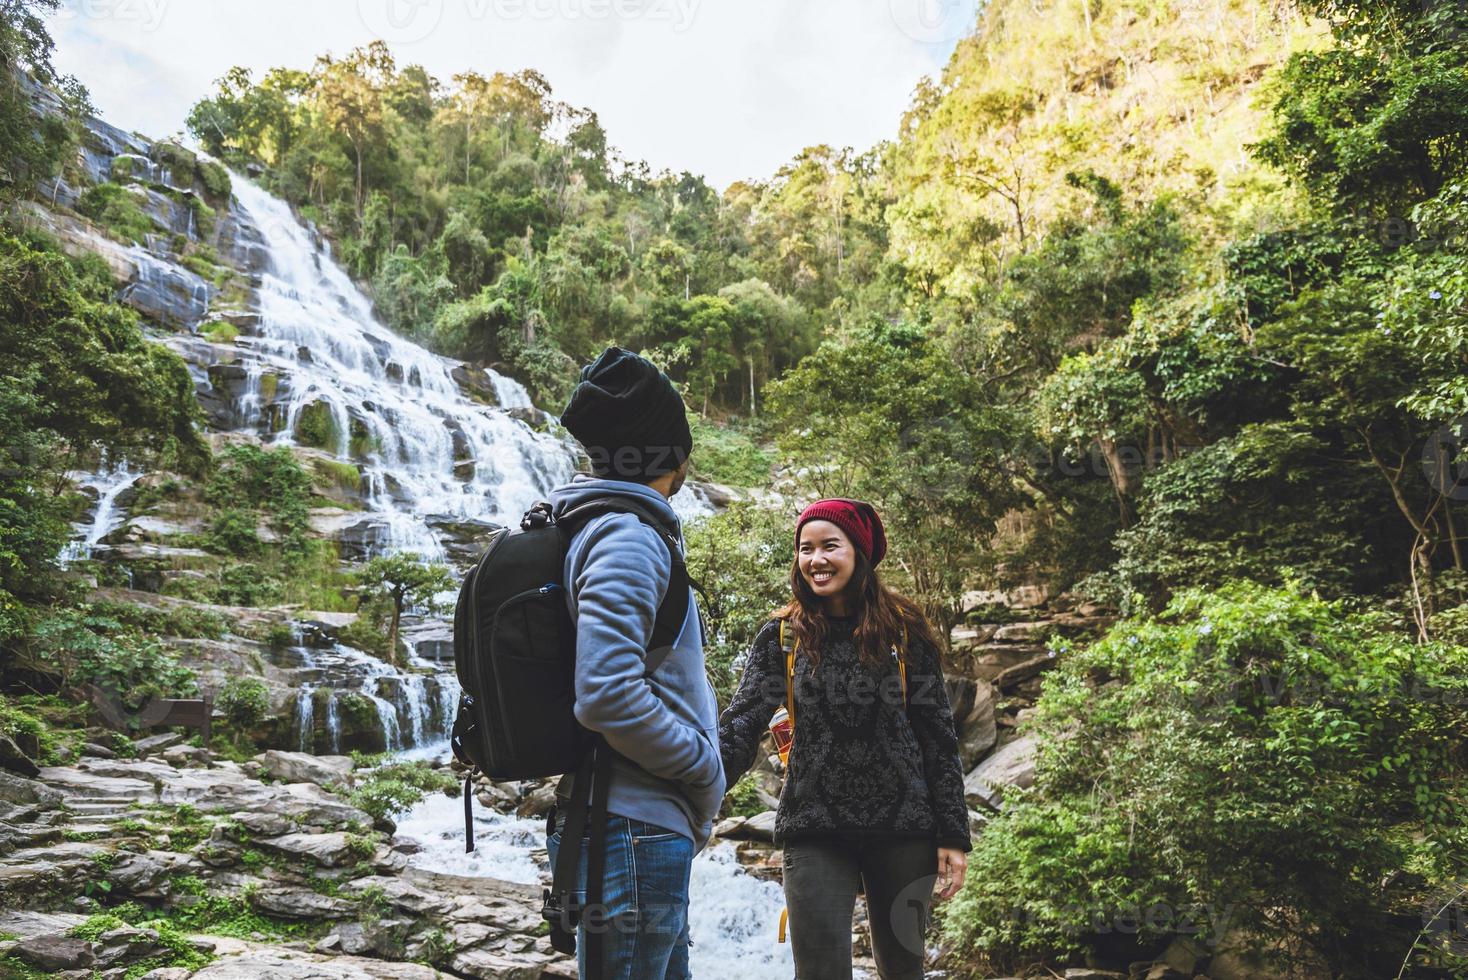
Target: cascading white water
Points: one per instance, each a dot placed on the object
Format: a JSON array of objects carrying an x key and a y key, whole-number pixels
[
  {"x": 109, "y": 485},
  {"x": 425, "y": 447}
]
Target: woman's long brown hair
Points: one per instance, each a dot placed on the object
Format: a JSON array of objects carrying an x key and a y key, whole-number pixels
[{"x": 881, "y": 616}]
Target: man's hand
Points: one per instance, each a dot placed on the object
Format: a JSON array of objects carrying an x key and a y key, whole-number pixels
[{"x": 952, "y": 864}]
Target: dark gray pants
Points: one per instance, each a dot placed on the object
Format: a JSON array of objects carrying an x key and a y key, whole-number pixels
[{"x": 821, "y": 876}]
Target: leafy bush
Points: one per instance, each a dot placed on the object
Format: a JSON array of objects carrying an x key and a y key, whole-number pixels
[
  {"x": 129, "y": 667},
  {"x": 116, "y": 209},
  {"x": 729, "y": 455},
  {"x": 742, "y": 556},
  {"x": 247, "y": 585},
  {"x": 233, "y": 533},
  {"x": 393, "y": 788},
  {"x": 245, "y": 701},
  {"x": 180, "y": 621},
  {"x": 1274, "y": 759}
]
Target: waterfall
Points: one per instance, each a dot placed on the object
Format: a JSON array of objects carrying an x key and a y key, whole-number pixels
[
  {"x": 109, "y": 485},
  {"x": 379, "y": 400}
]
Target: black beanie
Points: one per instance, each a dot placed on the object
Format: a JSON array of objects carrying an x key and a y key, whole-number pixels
[{"x": 629, "y": 417}]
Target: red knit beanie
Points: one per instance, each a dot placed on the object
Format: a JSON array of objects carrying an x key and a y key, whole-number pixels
[{"x": 857, "y": 518}]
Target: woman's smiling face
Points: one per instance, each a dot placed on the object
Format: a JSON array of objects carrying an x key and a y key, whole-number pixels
[{"x": 826, "y": 557}]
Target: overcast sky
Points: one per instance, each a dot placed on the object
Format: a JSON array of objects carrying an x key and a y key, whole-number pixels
[{"x": 727, "y": 88}]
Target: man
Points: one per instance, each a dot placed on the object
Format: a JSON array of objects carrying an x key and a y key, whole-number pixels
[{"x": 656, "y": 710}]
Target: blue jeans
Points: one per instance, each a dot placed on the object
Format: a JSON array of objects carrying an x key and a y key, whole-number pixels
[{"x": 646, "y": 899}]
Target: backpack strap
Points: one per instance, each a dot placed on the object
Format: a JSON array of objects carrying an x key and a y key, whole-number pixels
[
  {"x": 673, "y": 612},
  {"x": 901, "y": 659}
]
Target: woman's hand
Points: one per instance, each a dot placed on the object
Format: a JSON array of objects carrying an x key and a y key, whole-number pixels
[{"x": 952, "y": 864}]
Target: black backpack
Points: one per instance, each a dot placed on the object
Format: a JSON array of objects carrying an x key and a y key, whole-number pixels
[{"x": 515, "y": 654}]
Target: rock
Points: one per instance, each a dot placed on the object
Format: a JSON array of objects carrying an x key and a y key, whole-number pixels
[
  {"x": 167, "y": 973},
  {"x": 477, "y": 383},
  {"x": 300, "y": 903},
  {"x": 158, "y": 743},
  {"x": 15, "y": 760},
  {"x": 15, "y": 789},
  {"x": 1086, "y": 973},
  {"x": 729, "y": 827},
  {"x": 125, "y": 945},
  {"x": 1011, "y": 676},
  {"x": 1012, "y": 765},
  {"x": 300, "y": 767},
  {"x": 759, "y": 827},
  {"x": 401, "y": 895},
  {"x": 495, "y": 966},
  {"x": 1022, "y": 633},
  {"x": 972, "y": 703},
  {"x": 326, "y": 850},
  {"x": 252, "y": 961},
  {"x": 144, "y": 875},
  {"x": 539, "y": 802},
  {"x": 181, "y": 756},
  {"x": 55, "y": 953},
  {"x": 1184, "y": 955},
  {"x": 98, "y": 751}
]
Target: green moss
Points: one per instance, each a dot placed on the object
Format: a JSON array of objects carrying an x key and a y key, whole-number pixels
[
  {"x": 316, "y": 427},
  {"x": 116, "y": 210},
  {"x": 338, "y": 474},
  {"x": 215, "y": 179}
]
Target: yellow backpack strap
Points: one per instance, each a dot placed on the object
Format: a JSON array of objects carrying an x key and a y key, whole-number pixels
[
  {"x": 902, "y": 667},
  {"x": 784, "y": 920}
]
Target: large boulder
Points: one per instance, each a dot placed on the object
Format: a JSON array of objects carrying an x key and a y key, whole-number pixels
[
  {"x": 1012, "y": 765},
  {"x": 299, "y": 767},
  {"x": 974, "y": 718},
  {"x": 15, "y": 760}
]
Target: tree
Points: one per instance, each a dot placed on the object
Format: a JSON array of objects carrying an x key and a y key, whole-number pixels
[
  {"x": 349, "y": 93},
  {"x": 404, "y": 580}
]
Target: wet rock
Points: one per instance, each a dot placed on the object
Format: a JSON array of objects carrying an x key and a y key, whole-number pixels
[
  {"x": 539, "y": 802},
  {"x": 477, "y": 384}
]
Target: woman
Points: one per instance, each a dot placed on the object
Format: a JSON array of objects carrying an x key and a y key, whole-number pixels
[{"x": 873, "y": 788}]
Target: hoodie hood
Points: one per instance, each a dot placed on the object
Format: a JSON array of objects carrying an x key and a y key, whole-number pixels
[{"x": 583, "y": 489}]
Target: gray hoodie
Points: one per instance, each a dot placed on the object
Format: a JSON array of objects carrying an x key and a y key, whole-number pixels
[{"x": 664, "y": 725}]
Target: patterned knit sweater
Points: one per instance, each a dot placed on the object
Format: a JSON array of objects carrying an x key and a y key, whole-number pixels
[{"x": 858, "y": 765}]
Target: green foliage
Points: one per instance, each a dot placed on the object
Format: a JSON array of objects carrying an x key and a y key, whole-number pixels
[
  {"x": 129, "y": 667},
  {"x": 81, "y": 379},
  {"x": 743, "y": 556},
  {"x": 743, "y": 801},
  {"x": 894, "y": 421},
  {"x": 400, "y": 581},
  {"x": 396, "y": 787},
  {"x": 245, "y": 702},
  {"x": 232, "y": 533},
  {"x": 115, "y": 207},
  {"x": 730, "y": 454},
  {"x": 249, "y": 481},
  {"x": 1248, "y": 751},
  {"x": 182, "y": 621}
]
